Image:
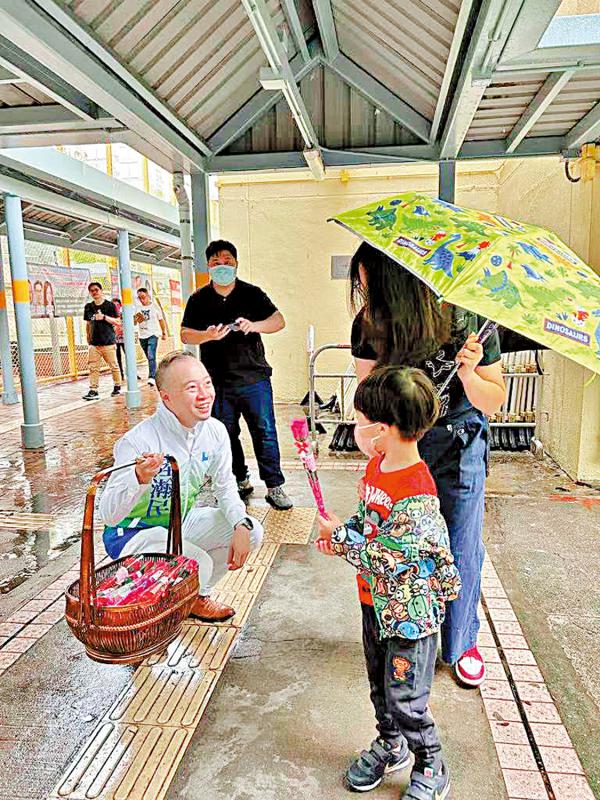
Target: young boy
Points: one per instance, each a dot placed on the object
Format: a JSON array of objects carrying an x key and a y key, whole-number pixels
[{"x": 398, "y": 540}]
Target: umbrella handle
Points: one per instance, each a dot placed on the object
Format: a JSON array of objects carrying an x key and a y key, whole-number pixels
[{"x": 483, "y": 334}]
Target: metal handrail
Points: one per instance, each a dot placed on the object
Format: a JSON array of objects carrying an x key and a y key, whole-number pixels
[{"x": 312, "y": 375}]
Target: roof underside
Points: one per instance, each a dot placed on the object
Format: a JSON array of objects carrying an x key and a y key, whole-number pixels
[{"x": 359, "y": 81}]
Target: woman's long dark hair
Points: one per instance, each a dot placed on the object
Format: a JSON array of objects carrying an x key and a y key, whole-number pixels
[{"x": 402, "y": 317}]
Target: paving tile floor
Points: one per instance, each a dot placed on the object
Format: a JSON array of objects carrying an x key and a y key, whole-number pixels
[{"x": 529, "y": 723}]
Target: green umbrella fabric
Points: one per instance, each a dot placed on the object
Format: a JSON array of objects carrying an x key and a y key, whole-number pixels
[{"x": 519, "y": 275}]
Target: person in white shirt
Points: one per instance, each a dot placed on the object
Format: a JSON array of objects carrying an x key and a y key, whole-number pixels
[
  {"x": 136, "y": 502},
  {"x": 151, "y": 321}
]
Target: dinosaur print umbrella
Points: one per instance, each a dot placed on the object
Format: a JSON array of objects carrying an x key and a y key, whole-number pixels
[{"x": 518, "y": 275}]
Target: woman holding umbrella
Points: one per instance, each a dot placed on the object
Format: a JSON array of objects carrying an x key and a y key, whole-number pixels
[{"x": 400, "y": 321}]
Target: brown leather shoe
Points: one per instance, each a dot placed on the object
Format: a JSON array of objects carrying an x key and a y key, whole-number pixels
[{"x": 209, "y": 610}]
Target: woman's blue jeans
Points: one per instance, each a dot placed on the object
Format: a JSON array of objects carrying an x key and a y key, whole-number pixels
[{"x": 457, "y": 456}]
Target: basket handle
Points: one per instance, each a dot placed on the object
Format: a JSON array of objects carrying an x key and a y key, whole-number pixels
[{"x": 87, "y": 574}]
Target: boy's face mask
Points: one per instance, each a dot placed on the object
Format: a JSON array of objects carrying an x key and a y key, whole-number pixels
[
  {"x": 365, "y": 444},
  {"x": 222, "y": 274}
]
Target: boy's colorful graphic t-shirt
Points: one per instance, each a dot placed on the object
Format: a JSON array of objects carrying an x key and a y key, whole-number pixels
[{"x": 382, "y": 491}]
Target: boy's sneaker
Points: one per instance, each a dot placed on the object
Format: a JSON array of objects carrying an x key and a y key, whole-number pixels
[
  {"x": 428, "y": 785},
  {"x": 470, "y": 668},
  {"x": 368, "y": 770},
  {"x": 116, "y": 391},
  {"x": 91, "y": 395},
  {"x": 277, "y": 498},
  {"x": 245, "y": 488}
]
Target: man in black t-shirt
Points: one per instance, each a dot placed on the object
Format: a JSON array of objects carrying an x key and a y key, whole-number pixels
[
  {"x": 226, "y": 318},
  {"x": 101, "y": 316}
]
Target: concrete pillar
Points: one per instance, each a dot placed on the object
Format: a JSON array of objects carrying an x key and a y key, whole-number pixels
[
  {"x": 447, "y": 181},
  {"x": 32, "y": 431},
  {"x": 201, "y": 225},
  {"x": 9, "y": 393},
  {"x": 185, "y": 233},
  {"x": 133, "y": 397}
]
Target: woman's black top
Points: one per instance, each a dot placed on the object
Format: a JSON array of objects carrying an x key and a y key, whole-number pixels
[{"x": 454, "y": 402}]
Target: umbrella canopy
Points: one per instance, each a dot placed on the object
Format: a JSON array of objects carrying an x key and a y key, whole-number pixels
[{"x": 519, "y": 275}]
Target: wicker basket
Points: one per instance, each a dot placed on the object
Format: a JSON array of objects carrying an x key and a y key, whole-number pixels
[{"x": 127, "y": 634}]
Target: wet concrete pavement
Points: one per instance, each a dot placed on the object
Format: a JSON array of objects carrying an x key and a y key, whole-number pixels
[{"x": 292, "y": 706}]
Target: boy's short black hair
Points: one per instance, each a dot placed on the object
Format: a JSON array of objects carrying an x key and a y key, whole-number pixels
[
  {"x": 220, "y": 244},
  {"x": 399, "y": 396},
  {"x": 143, "y": 290},
  {"x": 94, "y": 283}
]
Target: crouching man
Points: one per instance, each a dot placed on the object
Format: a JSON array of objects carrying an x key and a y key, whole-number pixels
[{"x": 136, "y": 502}]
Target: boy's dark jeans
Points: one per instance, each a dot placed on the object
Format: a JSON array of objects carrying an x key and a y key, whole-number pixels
[
  {"x": 254, "y": 402},
  {"x": 401, "y": 673}
]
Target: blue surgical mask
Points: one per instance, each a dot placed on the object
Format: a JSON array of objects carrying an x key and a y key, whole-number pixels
[{"x": 222, "y": 274}]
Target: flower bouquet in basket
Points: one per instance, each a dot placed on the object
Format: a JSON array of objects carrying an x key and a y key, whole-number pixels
[{"x": 139, "y": 580}]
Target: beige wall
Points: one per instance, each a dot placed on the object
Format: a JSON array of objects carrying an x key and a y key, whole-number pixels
[
  {"x": 536, "y": 190},
  {"x": 285, "y": 246}
]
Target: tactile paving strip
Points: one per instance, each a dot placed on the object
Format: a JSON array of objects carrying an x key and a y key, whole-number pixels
[
  {"x": 25, "y": 522},
  {"x": 126, "y": 762},
  {"x": 135, "y": 750},
  {"x": 290, "y": 527}
]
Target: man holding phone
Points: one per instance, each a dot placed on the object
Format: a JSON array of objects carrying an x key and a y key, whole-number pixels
[
  {"x": 226, "y": 318},
  {"x": 100, "y": 317}
]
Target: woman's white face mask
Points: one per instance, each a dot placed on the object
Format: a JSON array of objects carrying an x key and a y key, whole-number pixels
[{"x": 365, "y": 444}]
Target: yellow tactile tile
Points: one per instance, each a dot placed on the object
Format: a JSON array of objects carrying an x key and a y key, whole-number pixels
[
  {"x": 125, "y": 762},
  {"x": 164, "y": 697},
  {"x": 199, "y": 646},
  {"x": 25, "y": 521},
  {"x": 264, "y": 555},
  {"x": 290, "y": 527},
  {"x": 258, "y": 512}
]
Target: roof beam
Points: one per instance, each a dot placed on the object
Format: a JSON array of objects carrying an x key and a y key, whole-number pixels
[
  {"x": 281, "y": 73},
  {"x": 258, "y": 105},
  {"x": 327, "y": 31},
  {"x": 53, "y": 38},
  {"x": 532, "y": 21},
  {"x": 492, "y": 28},
  {"x": 587, "y": 130},
  {"x": 27, "y": 119},
  {"x": 381, "y": 97},
  {"x": 78, "y": 232},
  {"x": 21, "y": 63},
  {"x": 457, "y": 40},
  {"x": 293, "y": 18},
  {"x": 546, "y": 95},
  {"x": 291, "y": 160}
]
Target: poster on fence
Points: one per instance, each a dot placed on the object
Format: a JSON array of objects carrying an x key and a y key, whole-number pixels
[
  {"x": 57, "y": 291},
  {"x": 109, "y": 279}
]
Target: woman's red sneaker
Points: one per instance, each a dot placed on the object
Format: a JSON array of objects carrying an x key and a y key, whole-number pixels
[{"x": 470, "y": 668}]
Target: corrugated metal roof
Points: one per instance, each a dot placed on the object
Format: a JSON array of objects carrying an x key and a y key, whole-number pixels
[
  {"x": 578, "y": 97},
  {"x": 14, "y": 95},
  {"x": 341, "y": 117},
  {"x": 502, "y": 106},
  {"x": 201, "y": 57},
  {"x": 404, "y": 45}
]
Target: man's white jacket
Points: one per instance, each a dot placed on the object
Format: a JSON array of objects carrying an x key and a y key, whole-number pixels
[{"x": 203, "y": 453}]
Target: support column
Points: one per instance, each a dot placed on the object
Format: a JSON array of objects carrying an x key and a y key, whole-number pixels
[
  {"x": 32, "y": 431},
  {"x": 185, "y": 234},
  {"x": 201, "y": 226},
  {"x": 9, "y": 393},
  {"x": 133, "y": 397},
  {"x": 447, "y": 181},
  {"x": 72, "y": 350}
]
